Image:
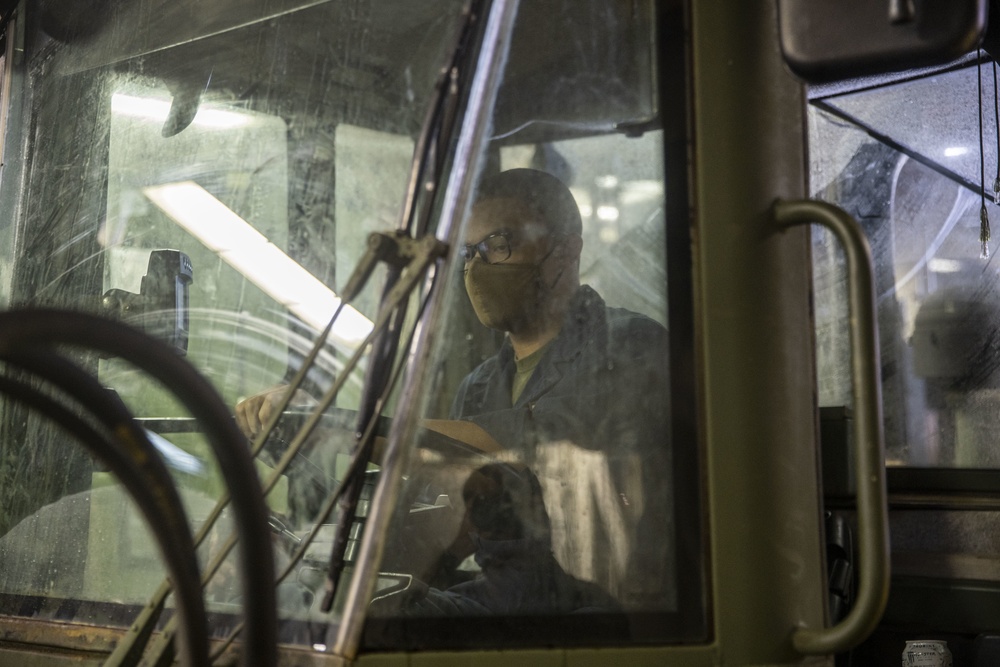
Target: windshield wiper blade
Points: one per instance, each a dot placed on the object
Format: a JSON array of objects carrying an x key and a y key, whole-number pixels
[{"x": 435, "y": 136}]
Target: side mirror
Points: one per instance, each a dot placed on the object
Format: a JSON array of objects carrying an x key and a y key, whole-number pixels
[
  {"x": 161, "y": 306},
  {"x": 831, "y": 40}
]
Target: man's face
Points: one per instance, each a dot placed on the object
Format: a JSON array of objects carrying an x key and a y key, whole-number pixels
[
  {"x": 529, "y": 240},
  {"x": 504, "y": 273}
]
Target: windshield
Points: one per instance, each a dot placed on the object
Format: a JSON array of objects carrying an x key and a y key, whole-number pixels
[
  {"x": 226, "y": 163},
  {"x": 213, "y": 174}
]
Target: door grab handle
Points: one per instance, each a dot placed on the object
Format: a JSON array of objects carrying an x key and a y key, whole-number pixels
[{"x": 869, "y": 454}]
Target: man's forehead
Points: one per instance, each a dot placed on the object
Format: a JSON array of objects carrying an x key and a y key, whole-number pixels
[{"x": 504, "y": 214}]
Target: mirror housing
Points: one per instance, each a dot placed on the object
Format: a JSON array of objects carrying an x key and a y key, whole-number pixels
[
  {"x": 161, "y": 306},
  {"x": 832, "y": 40}
]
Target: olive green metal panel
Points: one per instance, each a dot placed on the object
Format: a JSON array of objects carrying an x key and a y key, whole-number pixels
[
  {"x": 22, "y": 658},
  {"x": 530, "y": 658},
  {"x": 34, "y": 643},
  {"x": 752, "y": 301},
  {"x": 694, "y": 656},
  {"x": 678, "y": 656}
]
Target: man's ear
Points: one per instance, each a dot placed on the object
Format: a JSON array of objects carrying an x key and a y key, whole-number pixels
[{"x": 570, "y": 247}]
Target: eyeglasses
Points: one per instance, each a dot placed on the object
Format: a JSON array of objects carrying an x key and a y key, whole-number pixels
[{"x": 494, "y": 249}]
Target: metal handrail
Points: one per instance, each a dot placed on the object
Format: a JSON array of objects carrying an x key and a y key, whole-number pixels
[{"x": 873, "y": 535}]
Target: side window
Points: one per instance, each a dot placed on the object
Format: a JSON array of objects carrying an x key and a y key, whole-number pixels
[
  {"x": 916, "y": 191},
  {"x": 545, "y": 485},
  {"x": 546, "y": 482}
]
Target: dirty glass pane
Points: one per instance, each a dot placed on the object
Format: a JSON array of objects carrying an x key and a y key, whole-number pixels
[
  {"x": 208, "y": 172},
  {"x": 916, "y": 194},
  {"x": 540, "y": 505},
  {"x": 934, "y": 117}
]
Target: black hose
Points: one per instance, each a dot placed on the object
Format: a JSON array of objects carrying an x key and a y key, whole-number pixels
[
  {"x": 158, "y": 502},
  {"x": 26, "y": 328}
]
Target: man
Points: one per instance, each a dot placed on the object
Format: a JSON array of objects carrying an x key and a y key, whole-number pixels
[
  {"x": 578, "y": 391},
  {"x": 578, "y": 388}
]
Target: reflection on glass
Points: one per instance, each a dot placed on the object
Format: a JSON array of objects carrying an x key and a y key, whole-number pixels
[
  {"x": 159, "y": 109},
  {"x": 260, "y": 261},
  {"x": 934, "y": 116}
]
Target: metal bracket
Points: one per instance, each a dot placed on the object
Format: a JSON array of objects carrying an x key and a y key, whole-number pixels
[{"x": 395, "y": 249}]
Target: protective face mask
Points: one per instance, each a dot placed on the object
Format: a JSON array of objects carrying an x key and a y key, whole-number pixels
[{"x": 504, "y": 296}]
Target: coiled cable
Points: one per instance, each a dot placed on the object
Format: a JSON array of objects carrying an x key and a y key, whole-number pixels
[
  {"x": 139, "y": 468},
  {"x": 30, "y": 329}
]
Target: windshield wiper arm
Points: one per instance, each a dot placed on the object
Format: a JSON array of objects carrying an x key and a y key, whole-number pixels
[{"x": 425, "y": 173}]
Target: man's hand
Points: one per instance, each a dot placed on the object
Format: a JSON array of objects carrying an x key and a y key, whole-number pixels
[{"x": 252, "y": 413}]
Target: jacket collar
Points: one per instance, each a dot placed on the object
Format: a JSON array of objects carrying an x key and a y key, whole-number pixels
[{"x": 585, "y": 328}]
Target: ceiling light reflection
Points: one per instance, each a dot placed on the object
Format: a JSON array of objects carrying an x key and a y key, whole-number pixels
[
  {"x": 608, "y": 213},
  {"x": 938, "y": 265},
  {"x": 264, "y": 264},
  {"x": 158, "y": 109}
]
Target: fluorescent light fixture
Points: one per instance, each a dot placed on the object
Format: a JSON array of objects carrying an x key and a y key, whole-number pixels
[
  {"x": 175, "y": 457},
  {"x": 607, "y": 213},
  {"x": 155, "y": 109},
  {"x": 938, "y": 265},
  {"x": 955, "y": 151},
  {"x": 264, "y": 264}
]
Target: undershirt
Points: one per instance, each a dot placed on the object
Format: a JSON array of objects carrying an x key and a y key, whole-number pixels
[{"x": 524, "y": 370}]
